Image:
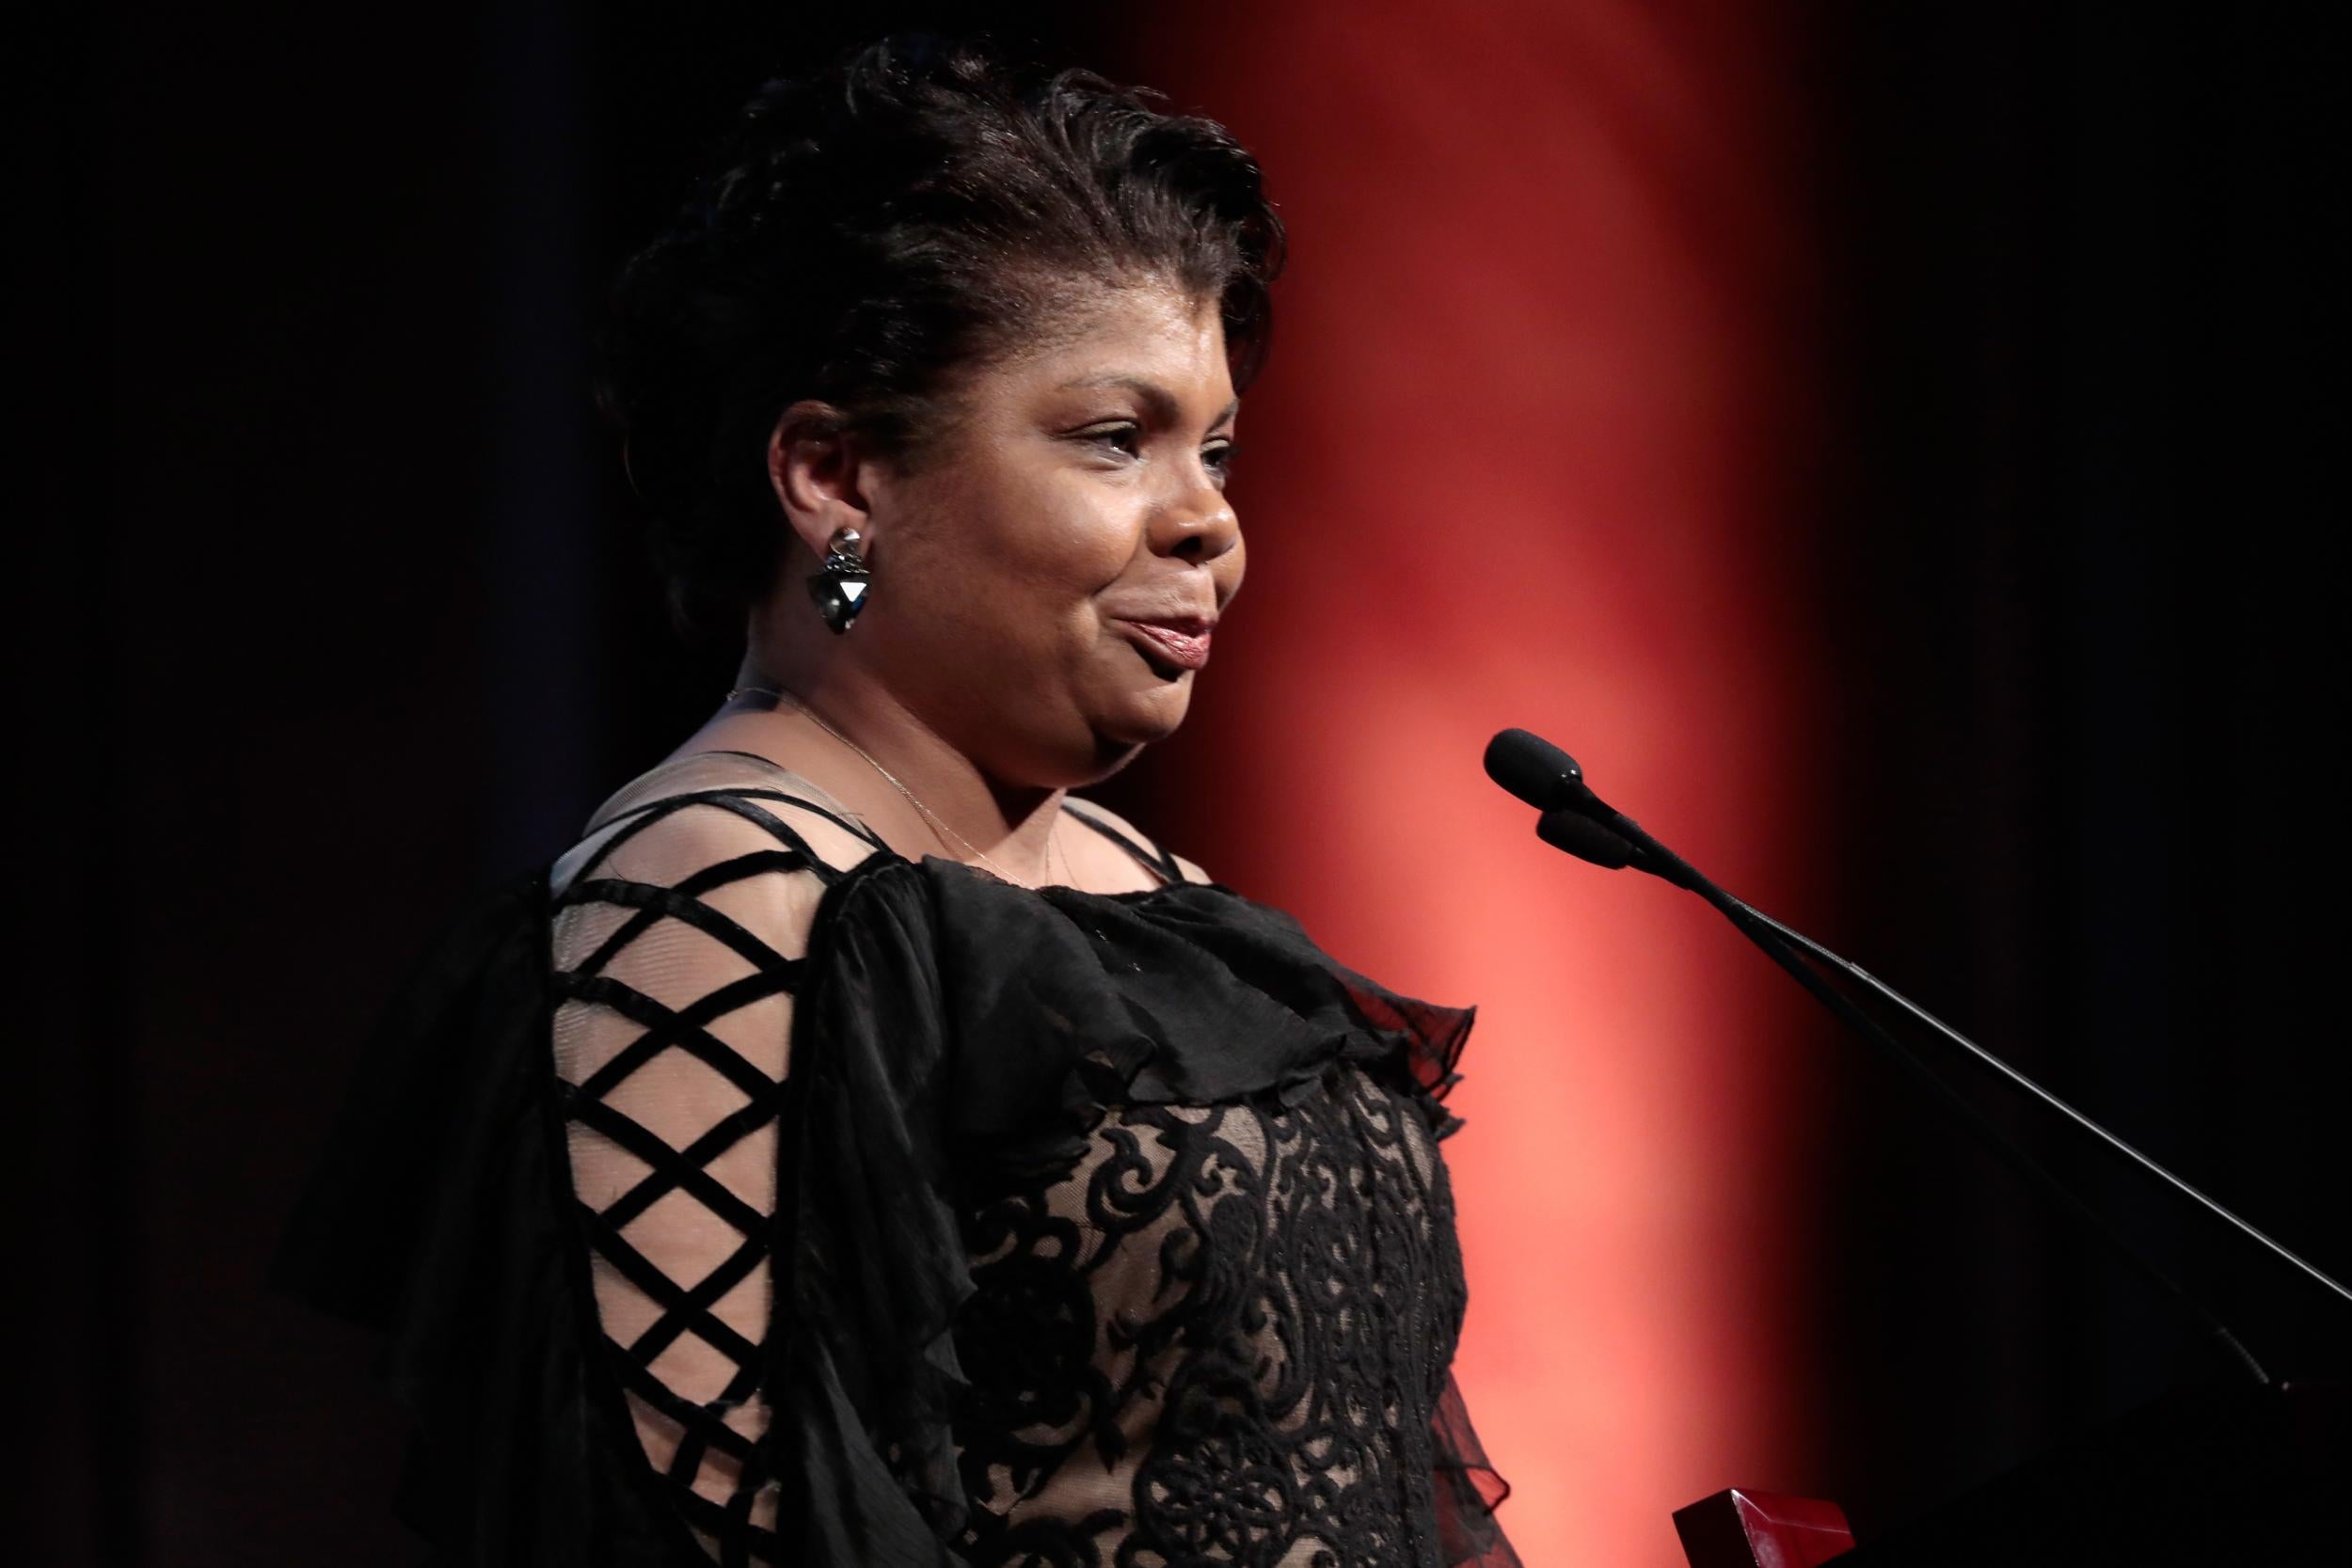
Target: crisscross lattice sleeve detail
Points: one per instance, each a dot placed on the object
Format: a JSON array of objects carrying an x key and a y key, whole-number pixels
[{"x": 678, "y": 943}]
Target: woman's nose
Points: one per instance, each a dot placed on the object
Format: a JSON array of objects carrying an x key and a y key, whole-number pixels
[{"x": 1201, "y": 526}]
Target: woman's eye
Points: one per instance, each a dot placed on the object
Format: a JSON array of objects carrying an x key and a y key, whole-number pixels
[{"x": 1127, "y": 438}]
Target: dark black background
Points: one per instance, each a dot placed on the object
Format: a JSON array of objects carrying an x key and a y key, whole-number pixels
[
  {"x": 328, "y": 610},
  {"x": 2089, "y": 529}
]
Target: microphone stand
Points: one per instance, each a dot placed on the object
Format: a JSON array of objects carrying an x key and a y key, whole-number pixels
[{"x": 1579, "y": 822}]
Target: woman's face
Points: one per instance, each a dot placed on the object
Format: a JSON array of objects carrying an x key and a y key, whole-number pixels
[{"x": 1084, "y": 492}]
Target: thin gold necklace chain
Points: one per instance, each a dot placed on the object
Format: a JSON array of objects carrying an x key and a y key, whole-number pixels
[{"x": 929, "y": 815}]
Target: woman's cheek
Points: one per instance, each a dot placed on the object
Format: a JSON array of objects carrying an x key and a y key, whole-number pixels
[{"x": 1086, "y": 528}]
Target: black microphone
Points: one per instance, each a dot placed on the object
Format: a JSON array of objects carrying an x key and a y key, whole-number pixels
[
  {"x": 1537, "y": 772},
  {"x": 1580, "y": 822},
  {"x": 1574, "y": 818}
]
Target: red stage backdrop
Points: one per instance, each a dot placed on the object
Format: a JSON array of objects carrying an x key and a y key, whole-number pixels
[{"x": 1531, "y": 452}]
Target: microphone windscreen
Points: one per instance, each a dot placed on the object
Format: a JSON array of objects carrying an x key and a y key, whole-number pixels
[{"x": 1534, "y": 770}]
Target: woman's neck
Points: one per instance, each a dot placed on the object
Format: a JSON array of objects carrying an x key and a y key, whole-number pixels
[{"x": 1012, "y": 826}]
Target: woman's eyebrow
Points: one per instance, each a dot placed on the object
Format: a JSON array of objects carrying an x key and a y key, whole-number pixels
[{"x": 1157, "y": 398}]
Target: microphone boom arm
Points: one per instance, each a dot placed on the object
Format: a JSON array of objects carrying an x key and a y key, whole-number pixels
[
  {"x": 1769, "y": 935},
  {"x": 2018, "y": 1079}
]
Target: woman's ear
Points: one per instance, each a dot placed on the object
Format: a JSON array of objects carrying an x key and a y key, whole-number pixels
[{"x": 820, "y": 473}]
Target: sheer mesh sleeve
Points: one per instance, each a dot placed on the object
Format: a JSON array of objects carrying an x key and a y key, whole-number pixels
[
  {"x": 1468, "y": 1489},
  {"x": 681, "y": 931}
]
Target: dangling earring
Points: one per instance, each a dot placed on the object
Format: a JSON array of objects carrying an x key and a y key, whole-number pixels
[{"x": 839, "y": 586}]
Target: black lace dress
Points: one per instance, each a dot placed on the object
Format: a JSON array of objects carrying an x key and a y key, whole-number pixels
[{"x": 737, "y": 1190}]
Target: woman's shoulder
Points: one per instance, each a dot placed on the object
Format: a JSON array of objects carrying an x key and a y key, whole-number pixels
[
  {"x": 697, "y": 810},
  {"x": 1101, "y": 814}
]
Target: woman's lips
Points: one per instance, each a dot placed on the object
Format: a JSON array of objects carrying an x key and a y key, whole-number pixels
[{"x": 1179, "y": 648}]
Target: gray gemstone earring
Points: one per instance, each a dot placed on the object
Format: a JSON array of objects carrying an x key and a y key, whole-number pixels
[{"x": 839, "y": 586}]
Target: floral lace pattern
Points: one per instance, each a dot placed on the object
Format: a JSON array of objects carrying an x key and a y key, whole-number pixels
[{"x": 1221, "y": 1339}]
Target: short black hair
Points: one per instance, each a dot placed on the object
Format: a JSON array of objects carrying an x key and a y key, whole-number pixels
[{"x": 917, "y": 207}]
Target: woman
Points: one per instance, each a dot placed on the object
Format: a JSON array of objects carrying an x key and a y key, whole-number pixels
[{"x": 856, "y": 1149}]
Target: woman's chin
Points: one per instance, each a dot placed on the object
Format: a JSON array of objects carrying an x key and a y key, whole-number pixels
[{"x": 1142, "y": 716}]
